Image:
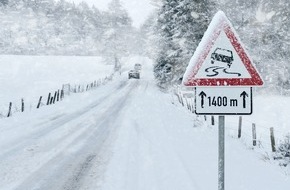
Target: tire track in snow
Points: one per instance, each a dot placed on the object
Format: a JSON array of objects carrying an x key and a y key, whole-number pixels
[
  {"x": 110, "y": 123},
  {"x": 58, "y": 121},
  {"x": 60, "y": 162}
]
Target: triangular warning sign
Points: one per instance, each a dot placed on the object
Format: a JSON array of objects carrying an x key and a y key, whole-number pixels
[{"x": 220, "y": 59}]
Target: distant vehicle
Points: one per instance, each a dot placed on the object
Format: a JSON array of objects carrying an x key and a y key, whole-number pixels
[
  {"x": 222, "y": 55},
  {"x": 134, "y": 74},
  {"x": 137, "y": 66}
]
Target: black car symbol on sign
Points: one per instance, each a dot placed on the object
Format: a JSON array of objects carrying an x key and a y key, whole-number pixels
[{"x": 222, "y": 55}]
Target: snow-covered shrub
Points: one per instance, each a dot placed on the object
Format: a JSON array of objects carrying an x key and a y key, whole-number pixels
[{"x": 283, "y": 152}]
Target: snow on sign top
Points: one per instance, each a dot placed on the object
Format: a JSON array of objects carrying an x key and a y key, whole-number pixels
[{"x": 220, "y": 59}]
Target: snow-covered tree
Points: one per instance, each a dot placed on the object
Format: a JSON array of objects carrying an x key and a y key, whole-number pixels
[
  {"x": 263, "y": 27},
  {"x": 148, "y": 36},
  {"x": 274, "y": 48},
  {"x": 118, "y": 29},
  {"x": 3, "y": 2},
  {"x": 181, "y": 25},
  {"x": 63, "y": 28}
]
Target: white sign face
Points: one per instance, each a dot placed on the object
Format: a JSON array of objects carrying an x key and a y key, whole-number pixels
[
  {"x": 223, "y": 61},
  {"x": 223, "y": 100}
]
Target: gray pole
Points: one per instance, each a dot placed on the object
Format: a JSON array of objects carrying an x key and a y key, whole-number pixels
[{"x": 221, "y": 159}]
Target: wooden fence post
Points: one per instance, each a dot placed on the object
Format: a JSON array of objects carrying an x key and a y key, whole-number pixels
[
  {"x": 182, "y": 102},
  {"x": 212, "y": 120},
  {"x": 192, "y": 107},
  {"x": 187, "y": 104},
  {"x": 48, "y": 99},
  {"x": 57, "y": 96},
  {"x": 61, "y": 94},
  {"x": 54, "y": 97},
  {"x": 240, "y": 127},
  {"x": 51, "y": 100},
  {"x": 177, "y": 94},
  {"x": 22, "y": 105},
  {"x": 254, "y": 134},
  {"x": 39, "y": 102},
  {"x": 272, "y": 139},
  {"x": 9, "y": 111}
]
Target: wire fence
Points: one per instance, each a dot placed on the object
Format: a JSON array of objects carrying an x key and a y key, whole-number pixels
[
  {"x": 256, "y": 135},
  {"x": 51, "y": 98}
]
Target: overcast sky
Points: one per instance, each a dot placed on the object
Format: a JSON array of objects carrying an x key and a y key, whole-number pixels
[{"x": 137, "y": 9}]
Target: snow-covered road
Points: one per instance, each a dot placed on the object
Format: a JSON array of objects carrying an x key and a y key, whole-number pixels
[
  {"x": 57, "y": 149},
  {"x": 126, "y": 135}
]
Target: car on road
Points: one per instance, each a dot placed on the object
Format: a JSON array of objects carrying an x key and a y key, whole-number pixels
[
  {"x": 222, "y": 55},
  {"x": 138, "y": 66},
  {"x": 134, "y": 74}
]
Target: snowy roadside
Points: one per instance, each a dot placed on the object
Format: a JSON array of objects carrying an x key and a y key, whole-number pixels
[
  {"x": 163, "y": 150},
  {"x": 124, "y": 135},
  {"x": 164, "y": 146},
  {"x": 270, "y": 111}
]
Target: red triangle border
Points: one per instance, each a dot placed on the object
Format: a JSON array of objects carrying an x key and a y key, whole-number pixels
[{"x": 255, "y": 79}]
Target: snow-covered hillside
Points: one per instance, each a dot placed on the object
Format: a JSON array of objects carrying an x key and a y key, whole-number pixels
[{"x": 126, "y": 134}]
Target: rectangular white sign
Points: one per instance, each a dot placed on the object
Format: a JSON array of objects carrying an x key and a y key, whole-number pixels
[{"x": 223, "y": 100}]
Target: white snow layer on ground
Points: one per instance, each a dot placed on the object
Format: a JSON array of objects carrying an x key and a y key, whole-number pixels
[
  {"x": 128, "y": 135},
  {"x": 30, "y": 77}
]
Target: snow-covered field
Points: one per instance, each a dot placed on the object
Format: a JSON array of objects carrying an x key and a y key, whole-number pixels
[
  {"x": 126, "y": 134},
  {"x": 269, "y": 111},
  {"x": 29, "y": 77}
]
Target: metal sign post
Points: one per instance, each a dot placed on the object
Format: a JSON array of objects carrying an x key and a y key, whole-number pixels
[{"x": 221, "y": 156}]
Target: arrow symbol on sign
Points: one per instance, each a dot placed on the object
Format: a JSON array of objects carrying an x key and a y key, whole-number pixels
[
  {"x": 244, "y": 95},
  {"x": 202, "y": 95}
]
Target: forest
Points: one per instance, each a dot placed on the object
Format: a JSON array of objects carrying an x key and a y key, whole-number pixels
[
  {"x": 48, "y": 27},
  {"x": 169, "y": 36},
  {"x": 262, "y": 25}
]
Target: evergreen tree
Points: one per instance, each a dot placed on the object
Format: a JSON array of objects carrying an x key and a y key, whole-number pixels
[
  {"x": 118, "y": 28},
  {"x": 62, "y": 28},
  {"x": 148, "y": 36},
  {"x": 263, "y": 28},
  {"x": 3, "y": 2},
  {"x": 181, "y": 25},
  {"x": 275, "y": 46}
]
